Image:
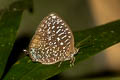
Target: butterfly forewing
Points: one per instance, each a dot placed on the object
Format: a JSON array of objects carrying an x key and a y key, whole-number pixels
[{"x": 52, "y": 42}]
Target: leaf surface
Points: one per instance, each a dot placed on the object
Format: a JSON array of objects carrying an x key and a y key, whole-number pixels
[
  {"x": 101, "y": 37},
  {"x": 9, "y": 22}
]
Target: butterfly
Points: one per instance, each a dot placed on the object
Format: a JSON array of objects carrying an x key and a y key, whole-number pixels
[{"x": 52, "y": 42}]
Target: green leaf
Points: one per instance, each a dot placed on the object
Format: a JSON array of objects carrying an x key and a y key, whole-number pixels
[
  {"x": 101, "y": 38},
  {"x": 9, "y": 22}
]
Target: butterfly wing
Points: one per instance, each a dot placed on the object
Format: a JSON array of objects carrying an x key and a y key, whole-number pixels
[{"x": 53, "y": 41}]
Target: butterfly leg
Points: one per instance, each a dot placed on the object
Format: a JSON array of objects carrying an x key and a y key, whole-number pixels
[
  {"x": 72, "y": 61},
  {"x": 60, "y": 64}
]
